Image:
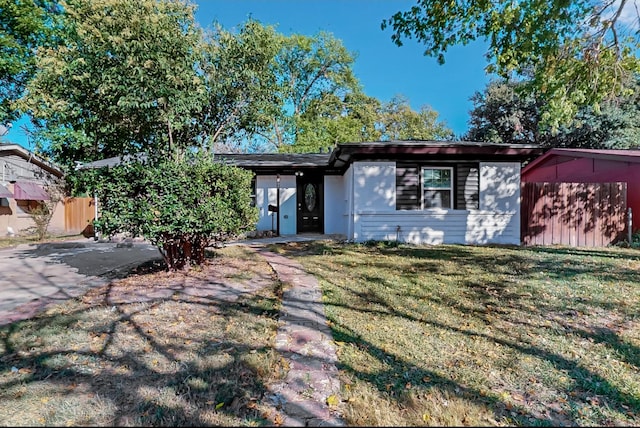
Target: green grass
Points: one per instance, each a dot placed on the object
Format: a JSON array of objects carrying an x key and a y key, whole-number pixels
[
  {"x": 463, "y": 335},
  {"x": 442, "y": 335}
]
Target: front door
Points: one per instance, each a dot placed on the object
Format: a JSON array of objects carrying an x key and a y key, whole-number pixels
[{"x": 310, "y": 206}]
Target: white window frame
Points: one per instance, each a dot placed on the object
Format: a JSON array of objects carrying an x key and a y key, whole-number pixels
[{"x": 423, "y": 188}]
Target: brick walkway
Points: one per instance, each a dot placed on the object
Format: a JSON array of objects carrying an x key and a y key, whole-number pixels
[{"x": 305, "y": 341}]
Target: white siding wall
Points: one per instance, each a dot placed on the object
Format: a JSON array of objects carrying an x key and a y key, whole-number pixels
[
  {"x": 497, "y": 221},
  {"x": 348, "y": 191},
  {"x": 500, "y": 193},
  {"x": 374, "y": 191},
  {"x": 436, "y": 226},
  {"x": 266, "y": 192},
  {"x": 500, "y": 186},
  {"x": 336, "y": 207}
]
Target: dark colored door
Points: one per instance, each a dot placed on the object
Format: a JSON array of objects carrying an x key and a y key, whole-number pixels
[{"x": 310, "y": 206}]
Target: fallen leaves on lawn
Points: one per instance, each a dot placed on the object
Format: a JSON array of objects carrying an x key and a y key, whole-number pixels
[{"x": 333, "y": 400}]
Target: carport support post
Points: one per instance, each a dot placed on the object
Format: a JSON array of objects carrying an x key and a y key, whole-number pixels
[
  {"x": 278, "y": 205},
  {"x": 95, "y": 216},
  {"x": 630, "y": 225}
]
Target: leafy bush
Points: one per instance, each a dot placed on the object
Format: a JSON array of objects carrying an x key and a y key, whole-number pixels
[
  {"x": 43, "y": 212},
  {"x": 635, "y": 241},
  {"x": 180, "y": 206},
  {"x": 41, "y": 216}
]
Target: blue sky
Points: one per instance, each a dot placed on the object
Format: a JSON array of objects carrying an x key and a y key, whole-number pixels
[{"x": 383, "y": 69}]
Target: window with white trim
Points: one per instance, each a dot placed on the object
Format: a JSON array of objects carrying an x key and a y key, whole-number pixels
[{"x": 437, "y": 187}]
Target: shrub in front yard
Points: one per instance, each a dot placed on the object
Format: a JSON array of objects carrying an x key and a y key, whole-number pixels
[{"x": 181, "y": 206}]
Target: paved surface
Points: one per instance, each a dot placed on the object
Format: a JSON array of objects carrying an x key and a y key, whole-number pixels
[
  {"x": 33, "y": 276},
  {"x": 305, "y": 341}
]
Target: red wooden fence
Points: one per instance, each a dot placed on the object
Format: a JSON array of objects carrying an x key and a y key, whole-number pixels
[{"x": 574, "y": 214}]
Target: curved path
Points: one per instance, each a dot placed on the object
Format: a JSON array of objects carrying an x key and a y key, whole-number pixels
[{"x": 305, "y": 341}]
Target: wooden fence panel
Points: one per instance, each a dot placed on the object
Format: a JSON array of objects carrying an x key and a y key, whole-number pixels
[
  {"x": 574, "y": 214},
  {"x": 78, "y": 215}
]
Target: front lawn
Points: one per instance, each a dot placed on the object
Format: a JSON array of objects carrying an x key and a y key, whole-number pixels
[
  {"x": 462, "y": 335},
  {"x": 154, "y": 349},
  {"x": 443, "y": 335}
]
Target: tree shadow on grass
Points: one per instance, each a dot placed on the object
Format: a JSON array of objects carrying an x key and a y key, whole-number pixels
[
  {"x": 589, "y": 252},
  {"x": 115, "y": 357},
  {"x": 584, "y": 379},
  {"x": 494, "y": 299}
]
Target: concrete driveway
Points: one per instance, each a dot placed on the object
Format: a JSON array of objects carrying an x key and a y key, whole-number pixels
[
  {"x": 37, "y": 273},
  {"x": 34, "y": 275}
]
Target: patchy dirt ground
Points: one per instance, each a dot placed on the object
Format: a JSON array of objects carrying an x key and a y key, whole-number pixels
[{"x": 156, "y": 348}]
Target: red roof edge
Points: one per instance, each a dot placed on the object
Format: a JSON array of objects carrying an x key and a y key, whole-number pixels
[{"x": 608, "y": 154}]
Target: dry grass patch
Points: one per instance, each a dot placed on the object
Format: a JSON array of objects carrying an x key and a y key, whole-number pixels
[
  {"x": 154, "y": 349},
  {"x": 12, "y": 241},
  {"x": 461, "y": 335}
]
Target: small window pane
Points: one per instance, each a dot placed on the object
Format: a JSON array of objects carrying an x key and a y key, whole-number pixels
[
  {"x": 437, "y": 199},
  {"x": 437, "y": 178},
  {"x": 310, "y": 197}
]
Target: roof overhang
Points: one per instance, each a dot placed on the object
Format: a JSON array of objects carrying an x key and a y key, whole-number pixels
[
  {"x": 32, "y": 158},
  {"x": 111, "y": 162},
  {"x": 344, "y": 154},
  {"x": 279, "y": 163}
]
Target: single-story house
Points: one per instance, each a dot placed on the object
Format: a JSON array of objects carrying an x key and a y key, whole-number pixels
[
  {"x": 590, "y": 166},
  {"x": 423, "y": 192},
  {"x": 24, "y": 179}
]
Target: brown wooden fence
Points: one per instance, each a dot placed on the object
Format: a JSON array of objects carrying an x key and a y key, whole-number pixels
[
  {"x": 78, "y": 215},
  {"x": 575, "y": 214}
]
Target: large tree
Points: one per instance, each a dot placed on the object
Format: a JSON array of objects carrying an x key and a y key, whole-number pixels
[
  {"x": 271, "y": 92},
  {"x": 578, "y": 52},
  {"x": 334, "y": 119},
  {"x": 501, "y": 114},
  {"x": 309, "y": 70},
  {"x": 25, "y": 25},
  {"x": 358, "y": 117},
  {"x": 124, "y": 80},
  {"x": 241, "y": 85},
  {"x": 398, "y": 121}
]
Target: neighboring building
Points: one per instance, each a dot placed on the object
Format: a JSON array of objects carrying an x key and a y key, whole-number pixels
[
  {"x": 591, "y": 166},
  {"x": 422, "y": 192},
  {"x": 24, "y": 178}
]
